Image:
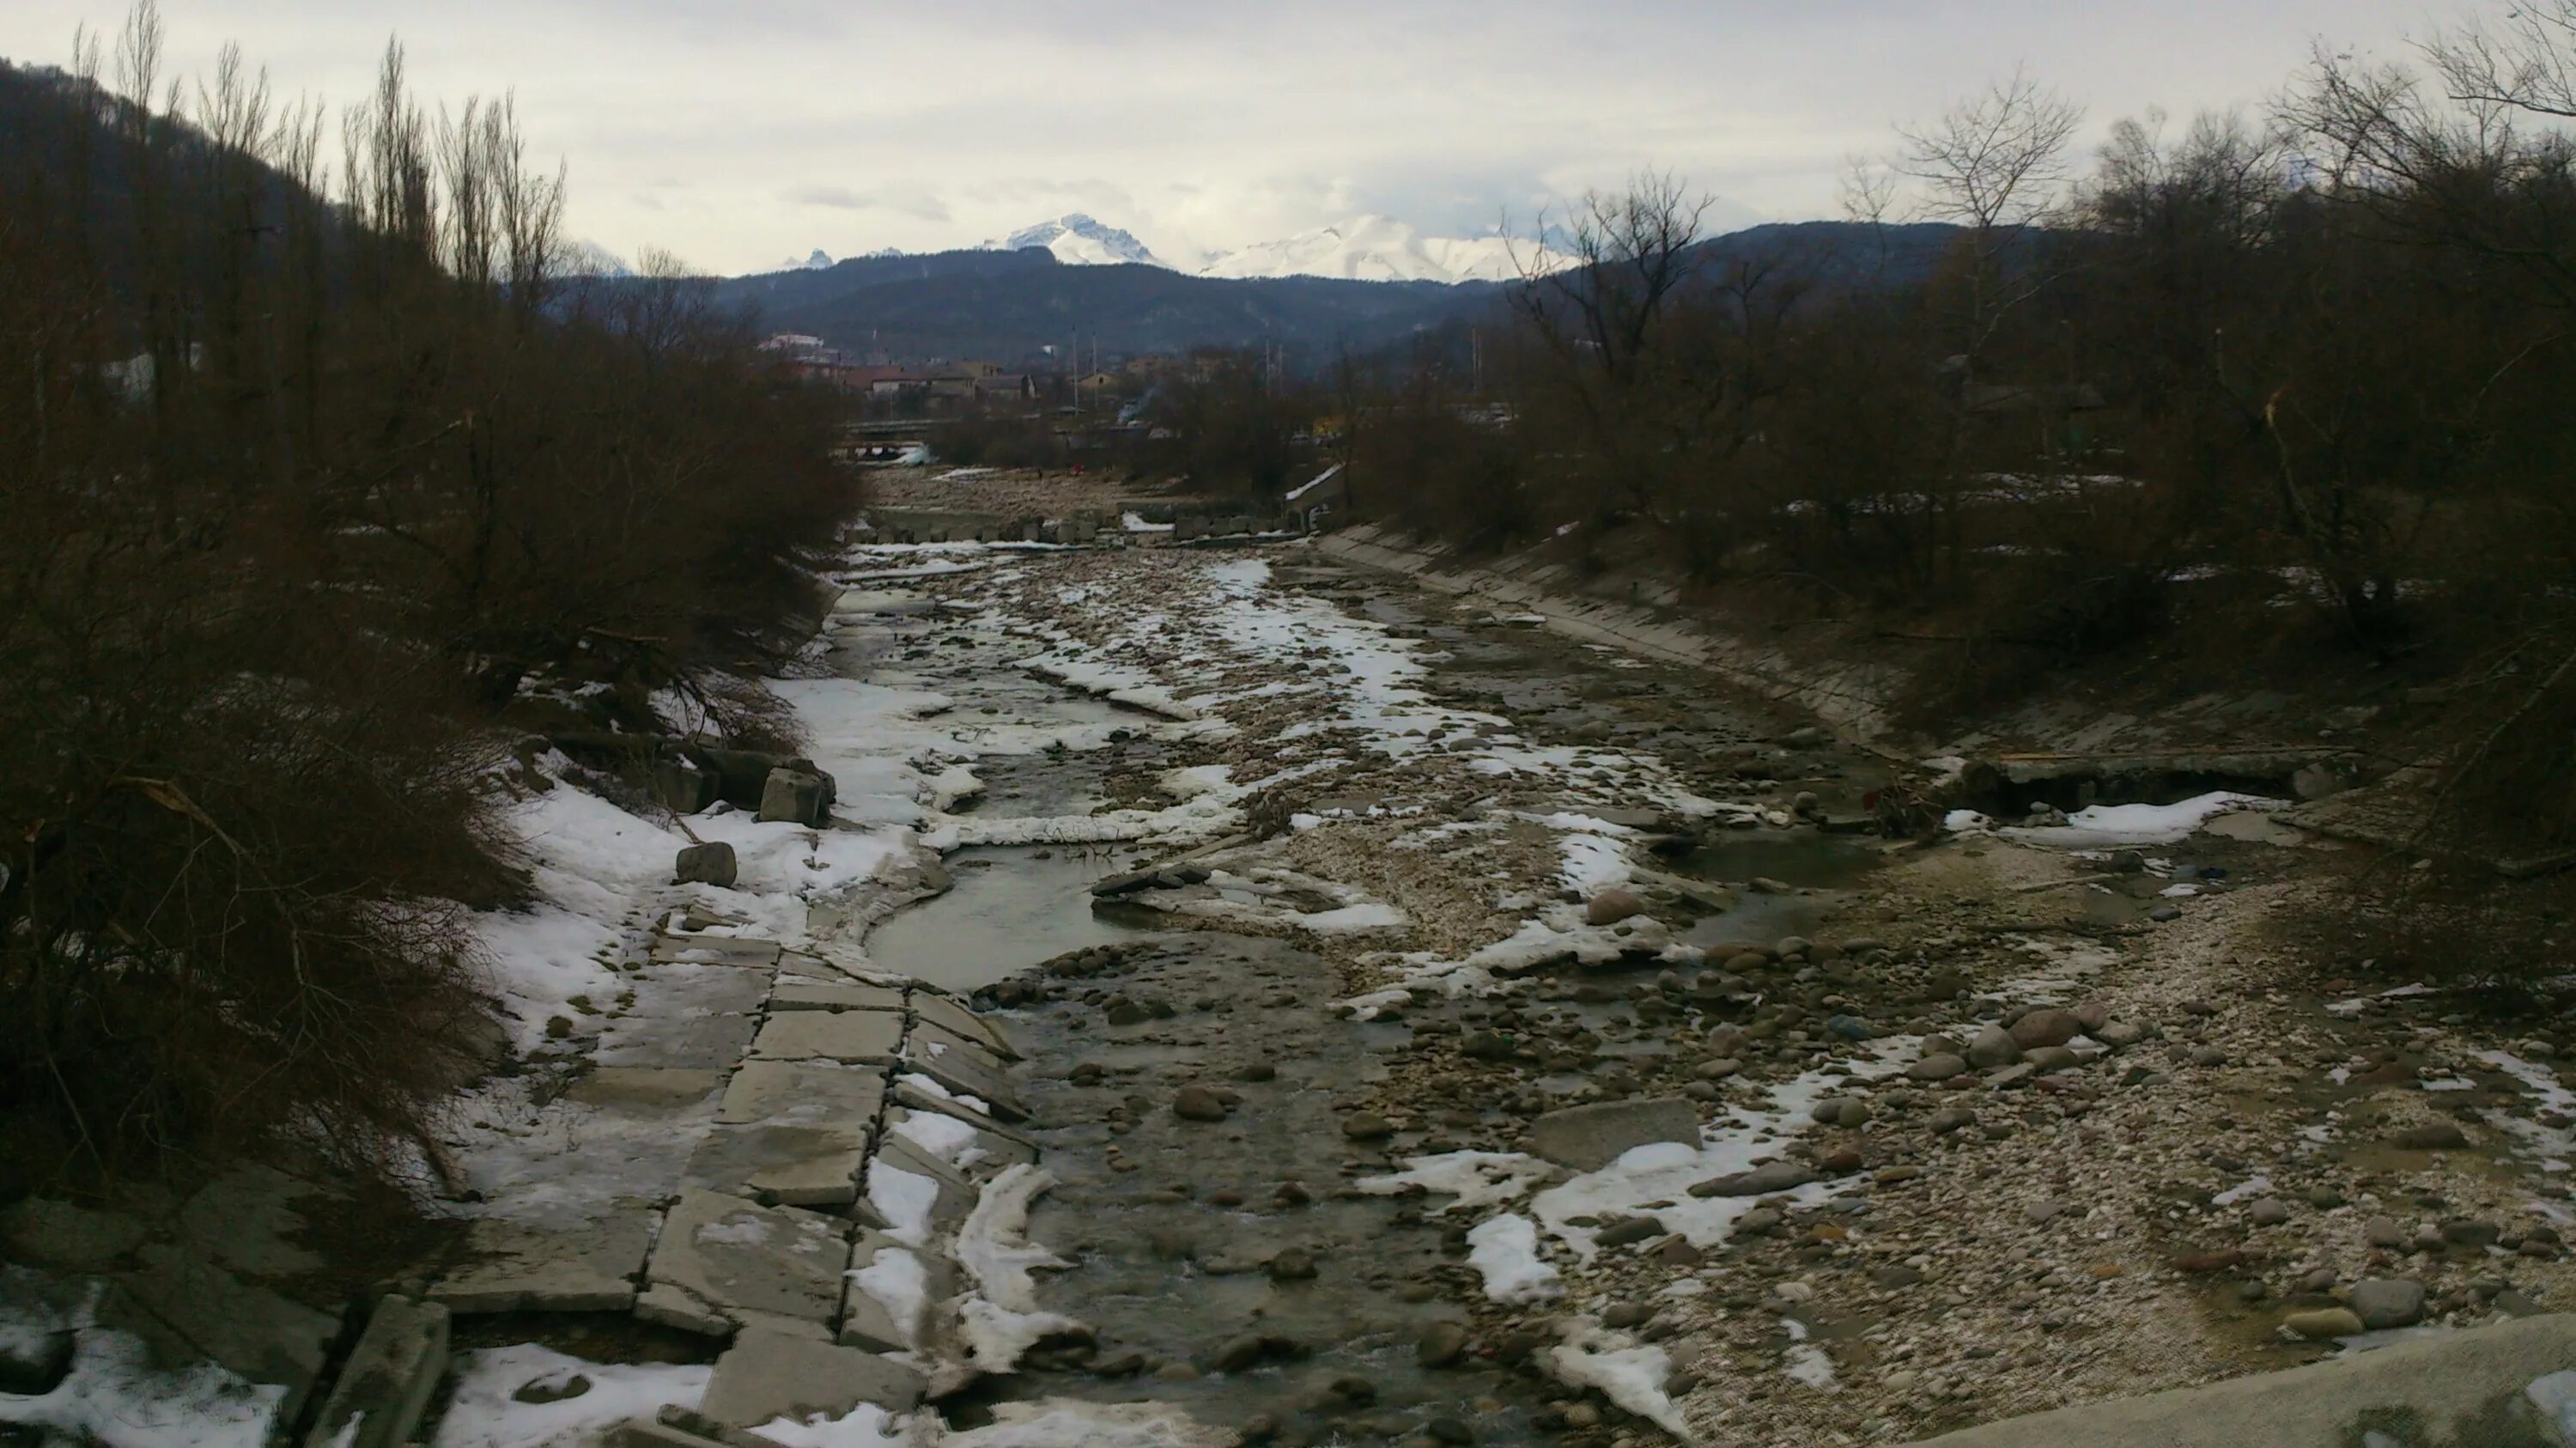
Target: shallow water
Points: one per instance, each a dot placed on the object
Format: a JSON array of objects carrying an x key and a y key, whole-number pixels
[
  {"x": 1810, "y": 859},
  {"x": 1012, "y": 907}
]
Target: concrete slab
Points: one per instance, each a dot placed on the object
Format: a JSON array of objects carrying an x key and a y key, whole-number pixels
[
  {"x": 765, "y": 1376},
  {"x": 991, "y": 1152},
  {"x": 645, "y": 1089},
  {"x": 791, "y": 1165},
  {"x": 728, "y": 950},
  {"x": 705, "y": 1042},
  {"x": 810, "y": 995},
  {"x": 849, "y": 1037},
  {"x": 807, "y": 1092},
  {"x": 890, "y": 1289},
  {"x": 953, "y": 1193},
  {"x": 243, "y": 1218},
  {"x": 505, "y": 1266},
  {"x": 965, "y": 1069},
  {"x": 722, "y": 1262},
  {"x": 2460, "y": 1388},
  {"x": 188, "y": 1309},
  {"x": 385, "y": 1385},
  {"x": 911, "y": 1092},
  {"x": 959, "y": 1019}
]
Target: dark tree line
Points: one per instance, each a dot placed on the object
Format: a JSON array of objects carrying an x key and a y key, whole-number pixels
[
  {"x": 313, "y": 458},
  {"x": 2310, "y": 366}
]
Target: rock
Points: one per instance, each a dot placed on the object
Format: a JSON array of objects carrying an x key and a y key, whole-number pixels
[
  {"x": 1851, "y": 1028},
  {"x": 1198, "y": 1103},
  {"x": 1628, "y": 1231},
  {"x": 2465, "y": 1233},
  {"x": 1367, "y": 1126},
  {"x": 35, "y": 1363},
  {"x": 2047, "y": 1026},
  {"x": 2269, "y": 1212},
  {"x": 2119, "y": 1034},
  {"x": 1936, "y": 1068},
  {"x": 1842, "y": 1161},
  {"x": 2200, "y": 1263},
  {"x": 2384, "y": 1232},
  {"x": 1236, "y": 1353},
  {"x": 1778, "y": 1176},
  {"x": 1839, "y": 1111},
  {"x": 2093, "y": 1016},
  {"x": 2323, "y": 1323},
  {"x": 43, "y": 1232},
  {"x": 1588, "y": 1138},
  {"x": 1790, "y": 945},
  {"x": 2208, "y": 1056},
  {"x": 1718, "y": 1068},
  {"x": 1895, "y": 1278},
  {"x": 1448, "y": 1430},
  {"x": 2041, "y": 1212},
  {"x": 1761, "y": 1221},
  {"x": 2431, "y": 1136},
  {"x": 1951, "y": 1118},
  {"x": 2383, "y": 1302},
  {"x": 2165, "y": 914},
  {"x": 1993, "y": 1047},
  {"x": 1612, "y": 906},
  {"x": 711, "y": 863},
  {"x": 1293, "y": 1264},
  {"x": 1487, "y": 1046},
  {"x": 1441, "y": 1345},
  {"x": 796, "y": 796}
]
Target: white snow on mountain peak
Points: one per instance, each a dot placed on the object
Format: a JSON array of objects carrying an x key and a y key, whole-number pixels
[{"x": 1078, "y": 240}]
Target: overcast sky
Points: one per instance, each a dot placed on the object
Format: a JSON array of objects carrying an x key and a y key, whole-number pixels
[{"x": 738, "y": 134}]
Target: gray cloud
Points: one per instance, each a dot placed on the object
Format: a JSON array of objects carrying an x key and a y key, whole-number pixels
[{"x": 857, "y": 124}]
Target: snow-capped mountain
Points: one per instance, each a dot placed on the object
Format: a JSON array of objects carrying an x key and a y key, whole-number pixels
[
  {"x": 1379, "y": 249},
  {"x": 1078, "y": 240}
]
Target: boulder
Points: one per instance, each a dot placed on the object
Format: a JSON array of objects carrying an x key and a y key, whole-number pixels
[
  {"x": 2047, "y": 1026},
  {"x": 1588, "y": 1138},
  {"x": 705, "y": 864},
  {"x": 795, "y": 796},
  {"x": 681, "y": 787},
  {"x": 1612, "y": 906},
  {"x": 2384, "y": 1302},
  {"x": 1994, "y": 1046}
]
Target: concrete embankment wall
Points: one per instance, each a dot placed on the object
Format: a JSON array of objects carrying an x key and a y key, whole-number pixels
[{"x": 1854, "y": 697}]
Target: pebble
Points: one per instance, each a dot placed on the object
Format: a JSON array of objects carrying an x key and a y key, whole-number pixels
[
  {"x": 1951, "y": 1118},
  {"x": 2269, "y": 1212},
  {"x": 2383, "y": 1232}
]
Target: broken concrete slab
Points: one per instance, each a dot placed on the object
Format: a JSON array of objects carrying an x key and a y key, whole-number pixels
[
  {"x": 961, "y": 1020},
  {"x": 723, "y": 1262},
  {"x": 727, "y": 950},
  {"x": 985, "y": 1153},
  {"x": 766, "y": 1376},
  {"x": 801, "y": 1091},
  {"x": 644, "y": 1088},
  {"x": 791, "y": 1164},
  {"x": 2459, "y": 1387},
  {"x": 833, "y": 996},
  {"x": 590, "y": 1266},
  {"x": 244, "y": 1217},
  {"x": 1588, "y": 1138},
  {"x": 386, "y": 1384},
  {"x": 189, "y": 1309},
  {"x": 923, "y": 1094},
  {"x": 848, "y": 1037},
  {"x": 964, "y": 1069},
  {"x": 43, "y": 1232},
  {"x": 890, "y": 1289},
  {"x": 902, "y": 1179}
]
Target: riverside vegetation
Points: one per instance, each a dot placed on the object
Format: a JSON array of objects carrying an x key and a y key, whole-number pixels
[{"x": 310, "y": 475}]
